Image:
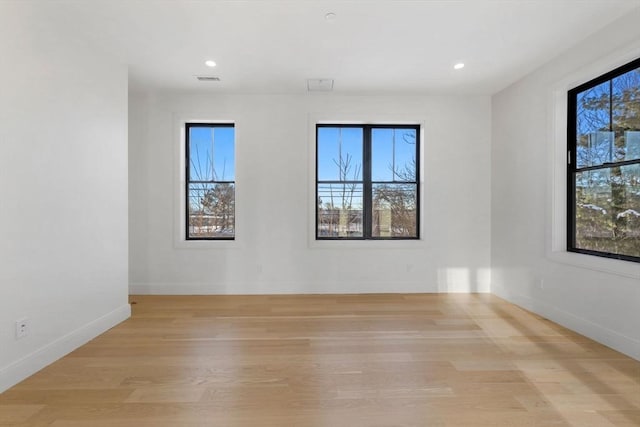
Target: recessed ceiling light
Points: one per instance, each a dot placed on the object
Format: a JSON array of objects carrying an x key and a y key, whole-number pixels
[
  {"x": 330, "y": 16},
  {"x": 210, "y": 63},
  {"x": 458, "y": 66}
]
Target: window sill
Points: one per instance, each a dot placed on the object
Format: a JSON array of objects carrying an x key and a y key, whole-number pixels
[
  {"x": 206, "y": 244},
  {"x": 366, "y": 244},
  {"x": 596, "y": 263}
]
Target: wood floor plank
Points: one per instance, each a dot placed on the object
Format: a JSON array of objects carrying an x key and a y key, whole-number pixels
[{"x": 330, "y": 361}]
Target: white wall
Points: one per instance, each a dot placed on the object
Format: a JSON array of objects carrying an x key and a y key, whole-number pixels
[
  {"x": 597, "y": 297},
  {"x": 63, "y": 192},
  {"x": 274, "y": 251}
]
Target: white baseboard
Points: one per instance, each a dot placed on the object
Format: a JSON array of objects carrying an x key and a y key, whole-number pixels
[
  {"x": 352, "y": 287},
  {"x": 615, "y": 340},
  {"x": 21, "y": 369}
]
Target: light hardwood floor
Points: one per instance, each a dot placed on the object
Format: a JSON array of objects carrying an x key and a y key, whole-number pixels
[{"x": 331, "y": 360}]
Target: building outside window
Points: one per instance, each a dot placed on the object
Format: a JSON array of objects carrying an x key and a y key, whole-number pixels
[
  {"x": 604, "y": 165},
  {"x": 367, "y": 182}
]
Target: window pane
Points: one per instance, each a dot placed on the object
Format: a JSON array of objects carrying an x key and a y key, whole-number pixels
[
  {"x": 608, "y": 210},
  {"x": 394, "y": 210},
  {"x": 626, "y": 101},
  {"x": 632, "y": 145},
  {"x": 211, "y": 153},
  {"x": 339, "y": 210},
  {"x": 594, "y": 141},
  {"x": 626, "y": 115},
  {"x": 596, "y": 148},
  {"x": 339, "y": 154},
  {"x": 393, "y": 154},
  {"x": 211, "y": 210}
]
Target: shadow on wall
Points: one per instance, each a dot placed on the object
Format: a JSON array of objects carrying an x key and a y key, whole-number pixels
[{"x": 464, "y": 280}]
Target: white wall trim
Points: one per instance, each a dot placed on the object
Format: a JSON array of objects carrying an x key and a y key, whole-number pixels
[
  {"x": 594, "y": 331},
  {"x": 556, "y": 182},
  {"x": 285, "y": 288},
  {"x": 35, "y": 361},
  {"x": 179, "y": 210}
]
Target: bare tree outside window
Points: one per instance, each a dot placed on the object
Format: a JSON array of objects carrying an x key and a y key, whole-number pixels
[
  {"x": 395, "y": 202},
  {"x": 210, "y": 181},
  {"x": 340, "y": 194},
  {"x": 367, "y": 185}
]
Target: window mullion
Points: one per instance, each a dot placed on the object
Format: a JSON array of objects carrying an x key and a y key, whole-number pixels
[
  {"x": 608, "y": 165},
  {"x": 366, "y": 187}
]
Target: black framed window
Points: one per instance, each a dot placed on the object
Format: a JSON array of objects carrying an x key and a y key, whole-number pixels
[
  {"x": 210, "y": 181},
  {"x": 603, "y": 176},
  {"x": 367, "y": 182}
]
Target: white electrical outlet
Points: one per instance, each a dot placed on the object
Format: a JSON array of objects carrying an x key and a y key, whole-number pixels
[{"x": 22, "y": 328}]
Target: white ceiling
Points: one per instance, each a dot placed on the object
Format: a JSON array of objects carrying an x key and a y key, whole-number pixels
[{"x": 383, "y": 46}]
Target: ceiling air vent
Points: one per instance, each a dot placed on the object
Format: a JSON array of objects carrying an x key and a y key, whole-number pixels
[
  {"x": 319, "y": 85},
  {"x": 208, "y": 78}
]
